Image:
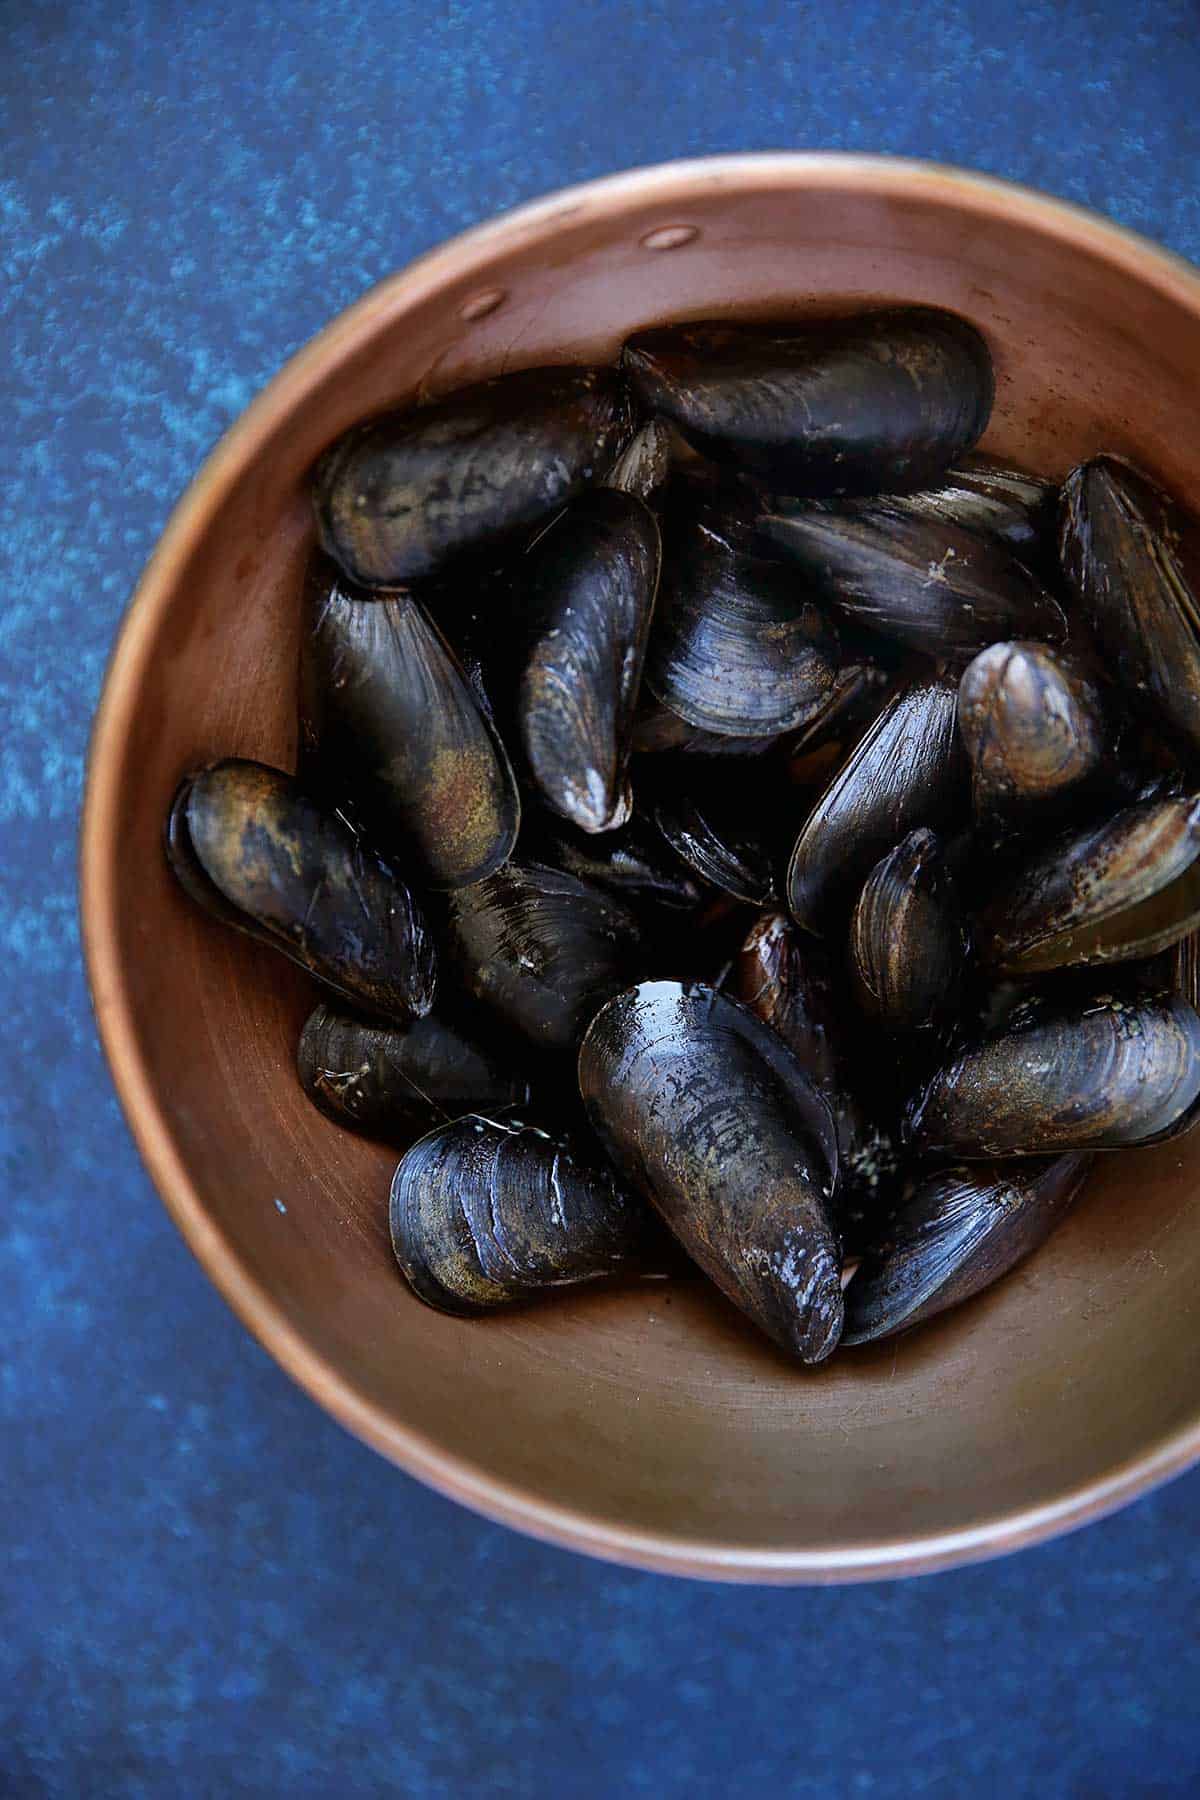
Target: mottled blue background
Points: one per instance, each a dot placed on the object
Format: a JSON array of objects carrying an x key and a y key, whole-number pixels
[{"x": 207, "y": 1589}]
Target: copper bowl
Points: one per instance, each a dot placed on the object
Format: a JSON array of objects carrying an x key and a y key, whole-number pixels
[{"x": 648, "y": 1424}]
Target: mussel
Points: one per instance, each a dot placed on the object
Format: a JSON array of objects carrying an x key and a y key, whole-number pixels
[
  {"x": 881, "y": 402},
  {"x": 707, "y": 1113},
  {"x": 908, "y": 939},
  {"x": 253, "y": 849},
  {"x": 398, "y": 738},
  {"x": 738, "y": 649},
  {"x": 397, "y": 497},
  {"x": 956, "y": 1233},
  {"x": 1089, "y": 1071},
  {"x": 1034, "y": 724},
  {"x": 716, "y": 829},
  {"x": 784, "y": 977},
  {"x": 906, "y": 770},
  {"x": 1133, "y": 557},
  {"x": 935, "y": 587},
  {"x": 586, "y": 597},
  {"x": 1112, "y": 892},
  {"x": 656, "y": 729},
  {"x": 543, "y": 948},
  {"x": 394, "y": 1080},
  {"x": 485, "y": 1212},
  {"x": 1017, "y": 510}
]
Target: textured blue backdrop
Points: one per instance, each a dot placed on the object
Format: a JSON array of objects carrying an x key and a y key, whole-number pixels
[{"x": 206, "y": 1588}]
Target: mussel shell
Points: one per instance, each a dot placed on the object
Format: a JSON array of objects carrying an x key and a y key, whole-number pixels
[
  {"x": 1113, "y": 892},
  {"x": 543, "y": 948},
  {"x": 656, "y": 730},
  {"x": 857, "y": 695},
  {"x": 587, "y": 592},
  {"x": 957, "y": 1233},
  {"x": 1133, "y": 557},
  {"x": 1020, "y": 511},
  {"x": 393, "y": 1080},
  {"x": 906, "y": 770},
  {"x": 1034, "y": 725},
  {"x": 1093, "y": 1072},
  {"x": 783, "y": 976},
  {"x": 908, "y": 939},
  {"x": 716, "y": 828},
  {"x": 398, "y": 496},
  {"x": 399, "y": 739},
  {"x": 707, "y": 1113},
  {"x": 644, "y": 465},
  {"x": 937, "y": 588},
  {"x": 633, "y": 862},
  {"x": 258, "y": 853},
  {"x": 738, "y": 648},
  {"x": 879, "y": 402},
  {"x": 486, "y": 1212}
]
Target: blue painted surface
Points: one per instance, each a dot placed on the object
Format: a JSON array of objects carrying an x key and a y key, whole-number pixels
[{"x": 205, "y": 1587}]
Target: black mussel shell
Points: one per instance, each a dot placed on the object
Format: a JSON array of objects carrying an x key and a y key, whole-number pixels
[
  {"x": 543, "y": 948},
  {"x": 486, "y": 1212},
  {"x": 783, "y": 975},
  {"x": 879, "y": 402},
  {"x": 393, "y": 1080},
  {"x": 1035, "y": 727},
  {"x": 1133, "y": 557},
  {"x": 258, "y": 853},
  {"x": 908, "y": 938},
  {"x": 398, "y": 738},
  {"x": 1019, "y": 511},
  {"x": 644, "y": 465},
  {"x": 585, "y": 600},
  {"x": 857, "y": 695},
  {"x": 906, "y": 770},
  {"x": 719, "y": 830},
  {"x": 633, "y": 862},
  {"x": 1093, "y": 1071},
  {"x": 707, "y": 1113},
  {"x": 941, "y": 590},
  {"x": 738, "y": 649},
  {"x": 398, "y": 496},
  {"x": 656, "y": 730},
  {"x": 1113, "y": 892},
  {"x": 957, "y": 1233}
]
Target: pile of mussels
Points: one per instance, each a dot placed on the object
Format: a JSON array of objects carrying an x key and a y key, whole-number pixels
[{"x": 719, "y": 789}]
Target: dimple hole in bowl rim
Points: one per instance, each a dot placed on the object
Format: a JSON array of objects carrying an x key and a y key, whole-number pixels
[{"x": 466, "y": 258}]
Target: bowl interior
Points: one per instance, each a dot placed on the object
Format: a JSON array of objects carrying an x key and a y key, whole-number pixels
[{"x": 648, "y": 1422}]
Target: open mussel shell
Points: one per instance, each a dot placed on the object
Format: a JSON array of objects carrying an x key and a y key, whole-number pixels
[
  {"x": 1093, "y": 1071},
  {"x": 934, "y": 587},
  {"x": 586, "y": 598},
  {"x": 399, "y": 738},
  {"x": 1113, "y": 892},
  {"x": 908, "y": 938},
  {"x": 485, "y": 1212},
  {"x": 1133, "y": 557},
  {"x": 956, "y": 1233},
  {"x": 644, "y": 464},
  {"x": 880, "y": 402},
  {"x": 710, "y": 1116},
  {"x": 783, "y": 976},
  {"x": 252, "y": 848},
  {"x": 543, "y": 948},
  {"x": 738, "y": 649},
  {"x": 906, "y": 770},
  {"x": 634, "y": 862},
  {"x": 393, "y": 1080},
  {"x": 717, "y": 830},
  {"x": 397, "y": 497},
  {"x": 1034, "y": 724},
  {"x": 1018, "y": 511}
]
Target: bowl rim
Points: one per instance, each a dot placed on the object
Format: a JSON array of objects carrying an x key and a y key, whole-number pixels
[{"x": 673, "y": 184}]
